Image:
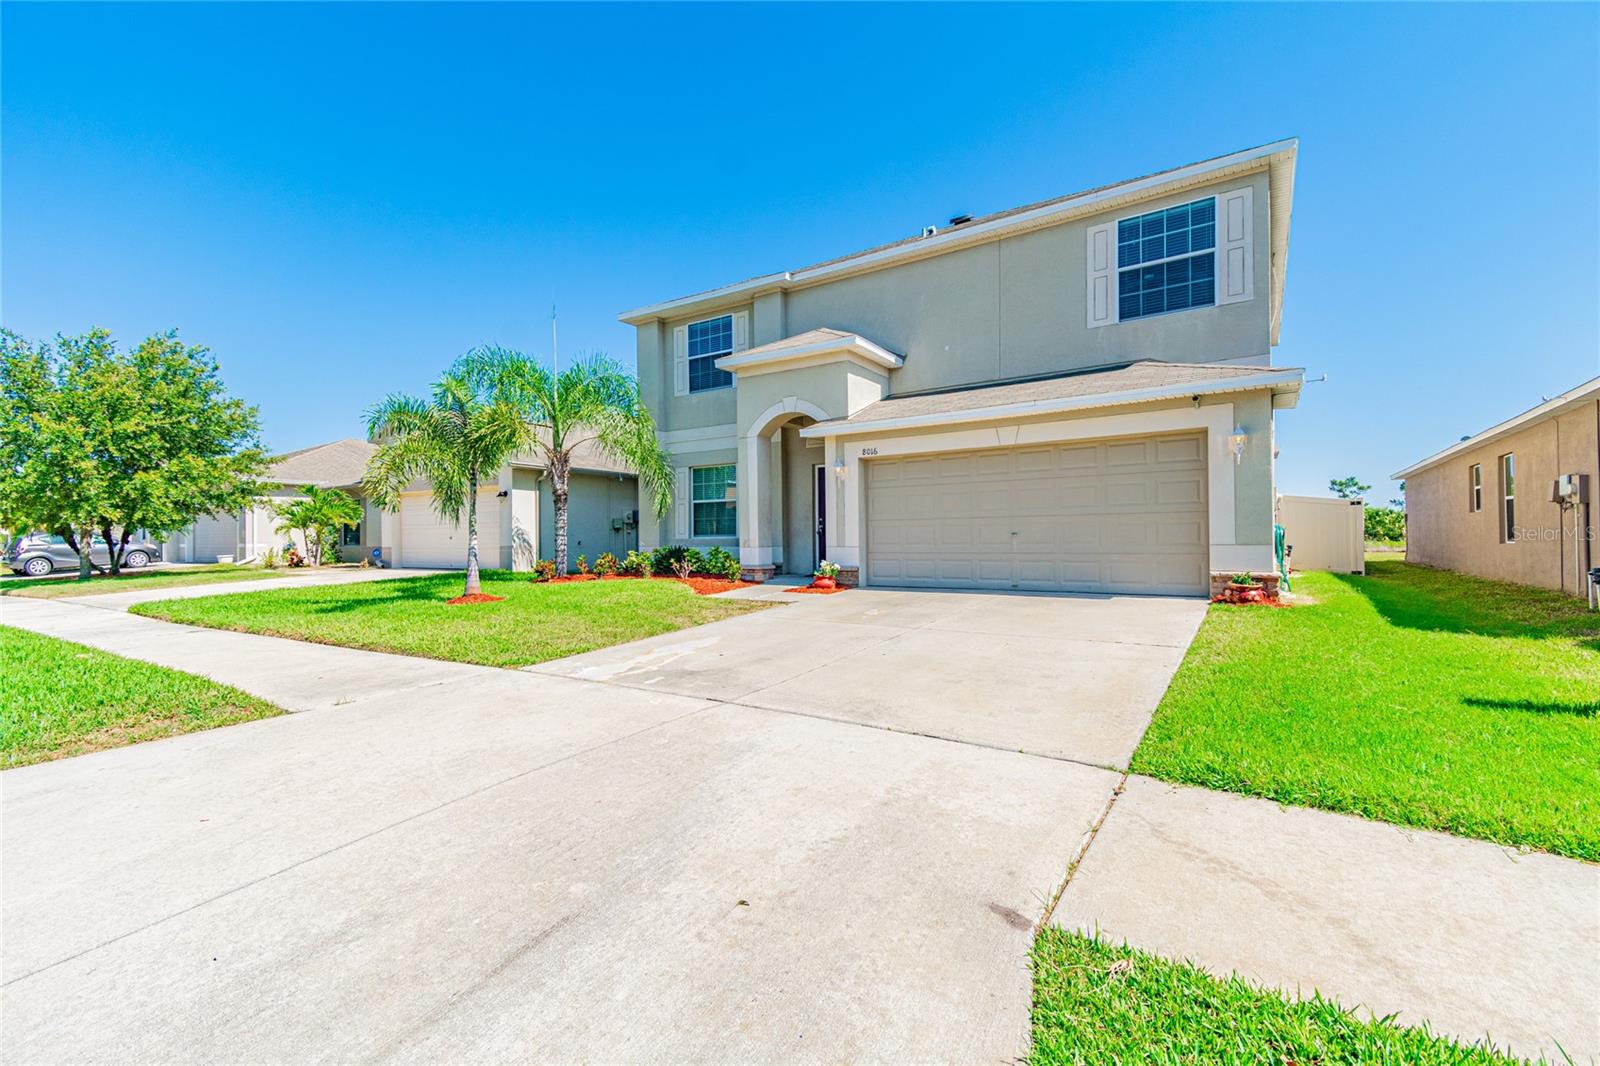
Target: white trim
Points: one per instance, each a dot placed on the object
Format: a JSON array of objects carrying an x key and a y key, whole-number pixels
[
  {"x": 789, "y": 405},
  {"x": 852, "y": 344},
  {"x": 680, "y": 361},
  {"x": 1288, "y": 379},
  {"x": 1589, "y": 389},
  {"x": 1046, "y": 214}
]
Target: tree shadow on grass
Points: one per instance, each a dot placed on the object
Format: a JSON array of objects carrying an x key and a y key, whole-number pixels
[
  {"x": 1580, "y": 710},
  {"x": 1415, "y": 597}
]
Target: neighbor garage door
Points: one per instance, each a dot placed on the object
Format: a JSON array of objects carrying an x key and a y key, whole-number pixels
[
  {"x": 428, "y": 540},
  {"x": 1123, "y": 515}
]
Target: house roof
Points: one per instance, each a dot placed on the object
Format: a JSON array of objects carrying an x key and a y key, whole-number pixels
[
  {"x": 813, "y": 342},
  {"x": 1588, "y": 392},
  {"x": 337, "y": 463},
  {"x": 1278, "y": 158},
  {"x": 1138, "y": 382}
]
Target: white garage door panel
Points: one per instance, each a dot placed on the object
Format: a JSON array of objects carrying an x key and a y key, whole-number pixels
[
  {"x": 428, "y": 540},
  {"x": 1101, "y": 516}
]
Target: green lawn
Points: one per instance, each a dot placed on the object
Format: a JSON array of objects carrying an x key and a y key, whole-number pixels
[
  {"x": 1094, "y": 1003},
  {"x": 410, "y": 616},
  {"x": 1410, "y": 695},
  {"x": 131, "y": 580},
  {"x": 63, "y": 699}
]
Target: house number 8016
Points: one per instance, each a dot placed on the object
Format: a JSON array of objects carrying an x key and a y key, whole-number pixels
[{"x": 869, "y": 451}]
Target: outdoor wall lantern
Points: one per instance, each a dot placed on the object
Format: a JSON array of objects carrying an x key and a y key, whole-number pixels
[
  {"x": 838, "y": 470},
  {"x": 1236, "y": 442}
]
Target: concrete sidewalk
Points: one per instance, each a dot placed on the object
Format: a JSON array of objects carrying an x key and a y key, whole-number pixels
[
  {"x": 1467, "y": 936},
  {"x": 121, "y": 601}
]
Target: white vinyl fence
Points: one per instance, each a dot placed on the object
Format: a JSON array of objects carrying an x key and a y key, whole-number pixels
[{"x": 1325, "y": 533}]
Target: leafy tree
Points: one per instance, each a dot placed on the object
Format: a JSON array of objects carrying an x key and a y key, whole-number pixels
[
  {"x": 1347, "y": 488},
  {"x": 592, "y": 401},
  {"x": 93, "y": 440},
  {"x": 1399, "y": 502},
  {"x": 457, "y": 438},
  {"x": 317, "y": 517},
  {"x": 1385, "y": 523}
]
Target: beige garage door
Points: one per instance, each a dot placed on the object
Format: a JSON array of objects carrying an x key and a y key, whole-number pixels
[
  {"x": 1123, "y": 515},
  {"x": 428, "y": 540}
]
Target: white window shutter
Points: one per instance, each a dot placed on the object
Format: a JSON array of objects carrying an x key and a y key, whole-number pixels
[
  {"x": 1102, "y": 272},
  {"x": 680, "y": 504},
  {"x": 741, "y": 331},
  {"x": 1236, "y": 271},
  {"x": 680, "y": 361}
]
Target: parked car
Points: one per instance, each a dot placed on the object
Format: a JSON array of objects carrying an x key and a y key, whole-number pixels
[{"x": 37, "y": 554}]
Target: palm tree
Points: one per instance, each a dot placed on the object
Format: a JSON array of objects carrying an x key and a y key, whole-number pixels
[
  {"x": 456, "y": 439},
  {"x": 594, "y": 401},
  {"x": 317, "y": 516}
]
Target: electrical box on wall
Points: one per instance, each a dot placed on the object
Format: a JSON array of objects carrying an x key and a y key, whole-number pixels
[{"x": 1570, "y": 488}]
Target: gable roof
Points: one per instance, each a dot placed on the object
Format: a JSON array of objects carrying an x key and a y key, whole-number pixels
[
  {"x": 1138, "y": 382},
  {"x": 1278, "y": 158},
  {"x": 337, "y": 463},
  {"x": 1588, "y": 392}
]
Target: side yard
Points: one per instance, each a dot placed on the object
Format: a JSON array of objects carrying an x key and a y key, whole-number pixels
[
  {"x": 68, "y": 585},
  {"x": 62, "y": 699},
  {"x": 410, "y": 616},
  {"x": 1413, "y": 696}
]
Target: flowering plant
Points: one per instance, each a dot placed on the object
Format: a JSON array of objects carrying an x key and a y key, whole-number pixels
[{"x": 826, "y": 569}]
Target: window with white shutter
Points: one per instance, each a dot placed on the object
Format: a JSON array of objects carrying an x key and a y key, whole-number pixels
[
  {"x": 1102, "y": 306},
  {"x": 1235, "y": 259}
]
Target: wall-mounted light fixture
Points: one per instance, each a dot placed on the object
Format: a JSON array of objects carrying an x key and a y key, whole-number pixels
[
  {"x": 502, "y": 494},
  {"x": 838, "y": 469},
  {"x": 1236, "y": 442}
]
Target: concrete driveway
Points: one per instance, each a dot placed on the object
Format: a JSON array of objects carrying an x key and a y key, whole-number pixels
[{"x": 1070, "y": 677}]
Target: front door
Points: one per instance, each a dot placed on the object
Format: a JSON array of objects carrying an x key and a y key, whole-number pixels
[{"x": 820, "y": 498}]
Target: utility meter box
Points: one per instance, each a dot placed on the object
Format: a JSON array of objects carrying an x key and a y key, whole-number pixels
[{"x": 1570, "y": 488}]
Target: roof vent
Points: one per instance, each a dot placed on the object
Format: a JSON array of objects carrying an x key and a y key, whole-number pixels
[
  {"x": 956, "y": 220},
  {"x": 929, "y": 231}
]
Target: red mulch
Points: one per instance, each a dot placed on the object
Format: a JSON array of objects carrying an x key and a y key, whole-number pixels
[
  {"x": 813, "y": 590},
  {"x": 572, "y": 577},
  {"x": 476, "y": 597},
  {"x": 1260, "y": 603}
]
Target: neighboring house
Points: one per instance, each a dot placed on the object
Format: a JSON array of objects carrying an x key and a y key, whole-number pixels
[
  {"x": 1074, "y": 395},
  {"x": 516, "y": 514},
  {"x": 1490, "y": 503}
]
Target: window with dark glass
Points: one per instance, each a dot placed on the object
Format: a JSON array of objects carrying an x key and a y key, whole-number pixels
[
  {"x": 1508, "y": 498},
  {"x": 714, "y": 498},
  {"x": 709, "y": 341},
  {"x": 1167, "y": 260}
]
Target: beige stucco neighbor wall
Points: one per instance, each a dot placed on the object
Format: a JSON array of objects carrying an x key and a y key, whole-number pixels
[{"x": 1442, "y": 531}]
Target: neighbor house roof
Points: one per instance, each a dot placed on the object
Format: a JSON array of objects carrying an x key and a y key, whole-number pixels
[
  {"x": 1588, "y": 392},
  {"x": 337, "y": 463},
  {"x": 1138, "y": 382},
  {"x": 1277, "y": 158}
]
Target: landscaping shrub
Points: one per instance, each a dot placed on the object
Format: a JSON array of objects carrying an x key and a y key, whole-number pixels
[
  {"x": 665, "y": 558},
  {"x": 695, "y": 560},
  {"x": 544, "y": 570},
  {"x": 637, "y": 564},
  {"x": 720, "y": 562},
  {"x": 583, "y": 564},
  {"x": 606, "y": 565}
]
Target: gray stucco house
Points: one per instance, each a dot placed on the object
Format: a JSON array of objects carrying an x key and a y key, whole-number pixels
[
  {"x": 516, "y": 514},
  {"x": 1075, "y": 395}
]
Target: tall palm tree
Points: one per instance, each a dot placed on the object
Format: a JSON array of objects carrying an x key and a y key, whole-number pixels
[
  {"x": 594, "y": 401},
  {"x": 456, "y": 439}
]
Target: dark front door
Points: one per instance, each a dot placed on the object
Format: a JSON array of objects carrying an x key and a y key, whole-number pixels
[{"x": 821, "y": 499}]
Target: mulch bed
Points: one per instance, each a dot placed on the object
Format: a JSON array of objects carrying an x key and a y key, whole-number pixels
[
  {"x": 702, "y": 585},
  {"x": 813, "y": 590},
  {"x": 476, "y": 597}
]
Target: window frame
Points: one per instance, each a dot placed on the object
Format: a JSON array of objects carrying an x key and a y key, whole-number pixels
[
  {"x": 350, "y": 536},
  {"x": 696, "y": 501},
  {"x": 1117, "y": 268},
  {"x": 1508, "y": 498},
  {"x": 712, "y": 357},
  {"x": 1475, "y": 488}
]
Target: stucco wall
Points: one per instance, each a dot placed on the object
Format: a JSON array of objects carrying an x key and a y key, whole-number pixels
[
  {"x": 593, "y": 501},
  {"x": 1442, "y": 531}
]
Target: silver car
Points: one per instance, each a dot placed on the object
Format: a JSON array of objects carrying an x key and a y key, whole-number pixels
[{"x": 37, "y": 554}]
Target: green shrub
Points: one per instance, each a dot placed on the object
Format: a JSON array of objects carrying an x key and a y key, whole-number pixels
[
  {"x": 544, "y": 570},
  {"x": 720, "y": 562},
  {"x": 696, "y": 561},
  {"x": 664, "y": 558},
  {"x": 637, "y": 564},
  {"x": 606, "y": 565},
  {"x": 583, "y": 564},
  {"x": 1385, "y": 523}
]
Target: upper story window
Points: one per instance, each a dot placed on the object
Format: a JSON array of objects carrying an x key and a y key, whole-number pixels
[
  {"x": 708, "y": 341},
  {"x": 1508, "y": 498},
  {"x": 1167, "y": 260},
  {"x": 1475, "y": 488}
]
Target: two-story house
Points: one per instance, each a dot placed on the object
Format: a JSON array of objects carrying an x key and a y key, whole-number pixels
[{"x": 1076, "y": 395}]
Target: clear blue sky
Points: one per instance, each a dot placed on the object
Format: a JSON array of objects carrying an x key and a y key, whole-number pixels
[{"x": 340, "y": 199}]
